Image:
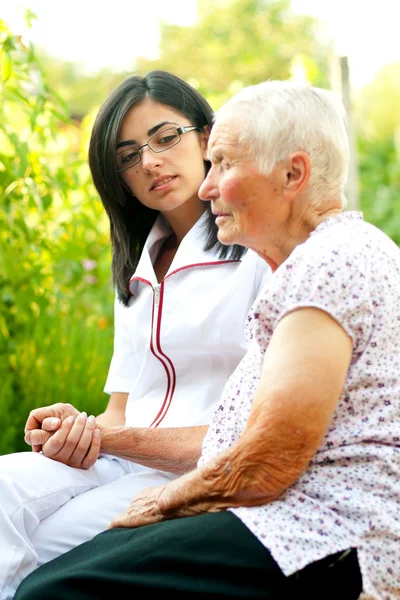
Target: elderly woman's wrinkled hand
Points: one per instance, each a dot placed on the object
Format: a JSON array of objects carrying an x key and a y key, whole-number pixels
[{"x": 143, "y": 510}]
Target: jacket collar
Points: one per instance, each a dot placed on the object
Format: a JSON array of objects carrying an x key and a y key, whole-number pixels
[{"x": 190, "y": 251}]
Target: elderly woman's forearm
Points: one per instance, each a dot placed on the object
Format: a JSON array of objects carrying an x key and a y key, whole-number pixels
[
  {"x": 290, "y": 414},
  {"x": 255, "y": 471},
  {"x": 172, "y": 449}
]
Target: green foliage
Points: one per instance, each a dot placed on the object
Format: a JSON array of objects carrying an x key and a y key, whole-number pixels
[
  {"x": 378, "y": 114},
  {"x": 80, "y": 91},
  {"x": 55, "y": 292},
  {"x": 379, "y": 166},
  {"x": 237, "y": 43}
]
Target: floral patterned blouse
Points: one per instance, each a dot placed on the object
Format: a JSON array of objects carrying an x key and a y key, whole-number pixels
[{"x": 349, "y": 496}]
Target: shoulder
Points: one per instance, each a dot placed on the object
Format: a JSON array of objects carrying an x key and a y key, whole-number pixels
[{"x": 347, "y": 244}]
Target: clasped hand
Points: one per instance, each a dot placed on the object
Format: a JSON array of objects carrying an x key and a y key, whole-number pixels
[{"x": 64, "y": 434}]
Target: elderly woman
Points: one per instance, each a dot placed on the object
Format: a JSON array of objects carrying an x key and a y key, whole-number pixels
[{"x": 297, "y": 491}]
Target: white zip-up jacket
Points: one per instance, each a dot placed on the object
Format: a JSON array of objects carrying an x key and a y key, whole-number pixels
[{"x": 178, "y": 341}]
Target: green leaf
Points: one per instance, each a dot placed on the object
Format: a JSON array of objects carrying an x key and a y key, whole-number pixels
[{"x": 7, "y": 68}]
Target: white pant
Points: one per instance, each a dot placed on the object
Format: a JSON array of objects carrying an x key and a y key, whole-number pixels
[{"x": 47, "y": 508}]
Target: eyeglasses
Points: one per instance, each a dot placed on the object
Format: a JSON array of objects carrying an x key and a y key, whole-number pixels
[{"x": 161, "y": 141}]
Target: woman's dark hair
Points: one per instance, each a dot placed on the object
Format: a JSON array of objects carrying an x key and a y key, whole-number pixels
[{"x": 130, "y": 221}]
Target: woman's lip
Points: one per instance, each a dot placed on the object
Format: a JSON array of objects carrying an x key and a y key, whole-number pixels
[{"x": 158, "y": 185}]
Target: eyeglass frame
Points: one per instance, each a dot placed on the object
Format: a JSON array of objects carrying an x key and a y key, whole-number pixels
[{"x": 182, "y": 129}]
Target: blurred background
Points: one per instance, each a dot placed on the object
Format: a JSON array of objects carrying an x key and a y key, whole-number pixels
[{"x": 58, "y": 63}]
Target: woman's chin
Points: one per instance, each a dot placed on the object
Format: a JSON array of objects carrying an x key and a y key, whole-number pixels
[
  {"x": 226, "y": 239},
  {"x": 228, "y": 236}
]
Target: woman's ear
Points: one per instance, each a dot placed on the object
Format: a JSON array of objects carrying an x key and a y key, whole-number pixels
[
  {"x": 204, "y": 135},
  {"x": 297, "y": 173}
]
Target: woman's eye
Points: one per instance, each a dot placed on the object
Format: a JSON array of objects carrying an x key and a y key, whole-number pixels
[
  {"x": 129, "y": 157},
  {"x": 167, "y": 139}
]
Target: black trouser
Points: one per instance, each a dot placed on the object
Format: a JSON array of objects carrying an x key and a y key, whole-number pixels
[{"x": 209, "y": 556}]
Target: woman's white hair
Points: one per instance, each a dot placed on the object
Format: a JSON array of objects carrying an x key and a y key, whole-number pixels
[{"x": 277, "y": 118}]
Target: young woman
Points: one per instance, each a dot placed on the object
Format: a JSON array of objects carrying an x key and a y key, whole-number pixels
[{"x": 181, "y": 303}]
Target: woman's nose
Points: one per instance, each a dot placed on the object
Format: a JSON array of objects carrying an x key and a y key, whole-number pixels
[
  {"x": 208, "y": 189},
  {"x": 150, "y": 159}
]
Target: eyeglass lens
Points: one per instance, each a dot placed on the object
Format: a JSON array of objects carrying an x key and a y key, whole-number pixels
[{"x": 162, "y": 140}]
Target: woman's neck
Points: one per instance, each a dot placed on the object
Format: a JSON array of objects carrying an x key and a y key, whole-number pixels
[
  {"x": 296, "y": 230},
  {"x": 181, "y": 222},
  {"x": 182, "y": 219}
]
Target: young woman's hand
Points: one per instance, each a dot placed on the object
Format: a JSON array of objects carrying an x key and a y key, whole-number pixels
[
  {"x": 76, "y": 443},
  {"x": 48, "y": 418}
]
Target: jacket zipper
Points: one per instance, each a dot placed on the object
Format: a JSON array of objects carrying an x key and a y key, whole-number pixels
[
  {"x": 155, "y": 347},
  {"x": 156, "y": 290}
]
